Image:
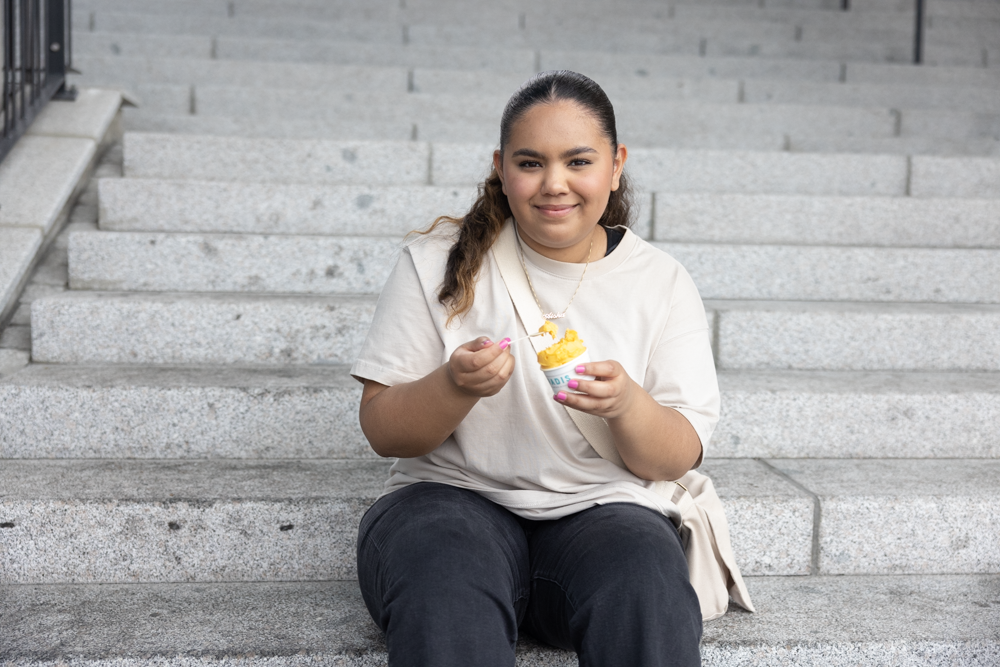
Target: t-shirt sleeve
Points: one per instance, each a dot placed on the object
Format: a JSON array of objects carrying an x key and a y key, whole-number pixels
[
  {"x": 403, "y": 344},
  {"x": 681, "y": 372}
]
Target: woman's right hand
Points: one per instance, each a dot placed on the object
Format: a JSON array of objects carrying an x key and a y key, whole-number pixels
[{"x": 481, "y": 367}]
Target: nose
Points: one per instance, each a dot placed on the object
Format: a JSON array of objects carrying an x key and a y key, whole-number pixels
[{"x": 554, "y": 181}]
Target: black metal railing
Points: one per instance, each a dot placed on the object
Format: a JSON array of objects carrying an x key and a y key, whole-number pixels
[{"x": 36, "y": 55}]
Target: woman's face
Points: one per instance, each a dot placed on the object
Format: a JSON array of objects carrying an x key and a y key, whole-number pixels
[{"x": 558, "y": 171}]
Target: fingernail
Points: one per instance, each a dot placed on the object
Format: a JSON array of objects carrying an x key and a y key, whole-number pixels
[
  {"x": 487, "y": 342},
  {"x": 581, "y": 369},
  {"x": 504, "y": 343},
  {"x": 572, "y": 384},
  {"x": 561, "y": 396}
]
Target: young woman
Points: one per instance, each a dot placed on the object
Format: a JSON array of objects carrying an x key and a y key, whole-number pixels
[{"x": 498, "y": 514}]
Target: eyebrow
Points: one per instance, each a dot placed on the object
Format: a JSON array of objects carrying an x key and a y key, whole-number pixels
[{"x": 573, "y": 152}]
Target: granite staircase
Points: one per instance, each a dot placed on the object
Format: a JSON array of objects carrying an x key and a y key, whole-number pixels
[{"x": 182, "y": 468}]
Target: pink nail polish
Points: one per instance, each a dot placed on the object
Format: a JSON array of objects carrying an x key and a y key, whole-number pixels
[
  {"x": 572, "y": 384},
  {"x": 504, "y": 343},
  {"x": 580, "y": 369},
  {"x": 487, "y": 342},
  {"x": 561, "y": 396}
]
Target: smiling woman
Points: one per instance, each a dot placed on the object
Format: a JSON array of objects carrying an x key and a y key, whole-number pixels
[{"x": 498, "y": 515}]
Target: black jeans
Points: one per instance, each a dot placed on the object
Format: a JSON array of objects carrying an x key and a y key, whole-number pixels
[{"x": 450, "y": 577}]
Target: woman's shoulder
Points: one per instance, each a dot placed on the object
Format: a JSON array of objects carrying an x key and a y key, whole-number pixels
[{"x": 432, "y": 242}]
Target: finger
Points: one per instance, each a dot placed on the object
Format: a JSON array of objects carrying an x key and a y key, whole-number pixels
[
  {"x": 602, "y": 369},
  {"x": 596, "y": 388},
  {"x": 581, "y": 402},
  {"x": 471, "y": 361}
]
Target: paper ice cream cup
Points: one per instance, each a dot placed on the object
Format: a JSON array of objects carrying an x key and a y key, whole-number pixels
[{"x": 560, "y": 376}]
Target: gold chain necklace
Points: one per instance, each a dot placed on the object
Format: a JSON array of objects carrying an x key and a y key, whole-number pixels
[{"x": 520, "y": 256}]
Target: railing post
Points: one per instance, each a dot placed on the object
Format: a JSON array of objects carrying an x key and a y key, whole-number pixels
[
  {"x": 58, "y": 47},
  {"x": 918, "y": 34}
]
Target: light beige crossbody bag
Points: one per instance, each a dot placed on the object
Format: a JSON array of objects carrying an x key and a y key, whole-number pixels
[{"x": 704, "y": 529}]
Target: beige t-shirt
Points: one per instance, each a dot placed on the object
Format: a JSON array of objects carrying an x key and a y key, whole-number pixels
[{"x": 520, "y": 448}]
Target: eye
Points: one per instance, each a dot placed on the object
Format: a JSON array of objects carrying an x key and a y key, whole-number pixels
[
  {"x": 528, "y": 164},
  {"x": 579, "y": 162}
]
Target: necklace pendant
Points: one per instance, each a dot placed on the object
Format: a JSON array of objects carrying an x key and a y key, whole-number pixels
[{"x": 554, "y": 316}]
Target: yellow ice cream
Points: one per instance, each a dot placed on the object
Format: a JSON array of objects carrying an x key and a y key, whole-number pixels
[
  {"x": 549, "y": 328},
  {"x": 557, "y": 354}
]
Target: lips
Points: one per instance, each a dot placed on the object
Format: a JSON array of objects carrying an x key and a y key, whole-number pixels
[{"x": 556, "y": 210}]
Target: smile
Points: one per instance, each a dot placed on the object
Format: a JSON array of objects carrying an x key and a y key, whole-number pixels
[{"x": 556, "y": 210}]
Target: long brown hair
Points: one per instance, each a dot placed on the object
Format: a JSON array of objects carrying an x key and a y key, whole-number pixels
[{"x": 480, "y": 227}]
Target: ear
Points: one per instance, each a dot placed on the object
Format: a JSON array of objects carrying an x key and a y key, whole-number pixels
[
  {"x": 620, "y": 156},
  {"x": 498, "y": 165}
]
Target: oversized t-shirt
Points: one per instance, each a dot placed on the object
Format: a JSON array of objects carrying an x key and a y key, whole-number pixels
[{"x": 519, "y": 448}]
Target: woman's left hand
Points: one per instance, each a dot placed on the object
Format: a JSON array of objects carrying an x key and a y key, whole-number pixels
[{"x": 609, "y": 395}]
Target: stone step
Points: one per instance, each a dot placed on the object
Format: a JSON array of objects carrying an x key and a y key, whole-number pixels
[
  {"x": 955, "y": 177},
  {"x": 362, "y": 53},
  {"x": 130, "y": 71},
  {"x": 149, "y": 120},
  {"x": 188, "y": 157},
  {"x": 855, "y": 336},
  {"x": 812, "y": 220},
  {"x": 907, "y": 96},
  {"x": 275, "y": 161},
  {"x": 920, "y": 76},
  {"x": 866, "y": 620},
  {"x": 150, "y": 412},
  {"x": 139, "y": 45},
  {"x": 437, "y": 116},
  {"x": 70, "y": 412},
  {"x": 241, "y": 329},
  {"x": 199, "y": 329},
  {"x": 247, "y": 520},
  {"x": 341, "y": 129},
  {"x": 149, "y": 204},
  {"x": 979, "y": 146},
  {"x": 297, "y": 264}
]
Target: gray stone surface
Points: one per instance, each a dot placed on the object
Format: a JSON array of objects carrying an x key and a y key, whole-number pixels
[
  {"x": 955, "y": 177},
  {"x": 18, "y": 247},
  {"x": 38, "y": 177},
  {"x": 639, "y": 64},
  {"x": 904, "y": 516},
  {"x": 835, "y": 621},
  {"x": 907, "y": 74},
  {"x": 867, "y": 221},
  {"x": 334, "y": 128},
  {"x": 191, "y": 71},
  {"x": 89, "y": 116},
  {"x": 856, "y": 336},
  {"x": 908, "y": 145},
  {"x": 274, "y": 160},
  {"x": 899, "y": 50},
  {"x": 104, "y": 521},
  {"x": 861, "y": 415},
  {"x": 211, "y": 329},
  {"x": 818, "y": 273},
  {"x": 16, "y": 337},
  {"x": 158, "y": 262},
  {"x": 268, "y": 208},
  {"x": 462, "y": 164},
  {"x": 272, "y": 27},
  {"x": 222, "y": 520},
  {"x": 633, "y": 87},
  {"x": 150, "y": 46},
  {"x": 136, "y": 412},
  {"x": 663, "y": 170},
  {"x": 11, "y": 361},
  {"x": 908, "y": 96},
  {"x": 951, "y": 124},
  {"x": 352, "y": 53}
]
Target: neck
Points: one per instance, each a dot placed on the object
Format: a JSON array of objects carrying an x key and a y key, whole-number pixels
[{"x": 576, "y": 253}]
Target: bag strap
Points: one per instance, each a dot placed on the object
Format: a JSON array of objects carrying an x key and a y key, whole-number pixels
[{"x": 504, "y": 249}]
